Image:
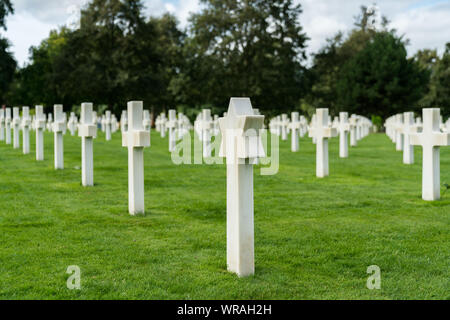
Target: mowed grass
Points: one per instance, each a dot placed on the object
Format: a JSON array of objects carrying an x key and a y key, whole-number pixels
[{"x": 314, "y": 238}]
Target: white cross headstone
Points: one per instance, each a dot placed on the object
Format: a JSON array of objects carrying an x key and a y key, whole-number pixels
[
  {"x": 158, "y": 124},
  {"x": 147, "y": 121},
  {"x": 409, "y": 127},
  {"x": 242, "y": 147},
  {"x": 8, "y": 125},
  {"x": 398, "y": 132},
  {"x": 358, "y": 128},
  {"x": 124, "y": 121},
  {"x": 26, "y": 123},
  {"x": 205, "y": 127},
  {"x": 59, "y": 126},
  {"x": 72, "y": 123},
  {"x": 135, "y": 139},
  {"x": 295, "y": 127},
  {"x": 171, "y": 125},
  {"x": 284, "y": 126},
  {"x": 16, "y": 128},
  {"x": 303, "y": 126},
  {"x": 182, "y": 126},
  {"x": 2, "y": 124},
  {"x": 108, "y": 125},
  {"x": 103, "y": 123},
  {"x": 113, "y": 124},
  {"x": 39, "y": 125},
  {"x": 311, "y": 128},
  {"x": 430, "y": 139},
  {"x": 163, "y": 121},
  {"x": 353, "y": 124},
  {"x": 50, "y": 122},
  {"x": 322, "y": 132},
  {"x": 344, "y": 127},
  {"x": 87, "y": 130},
  {"x": 65, "y": 123}
]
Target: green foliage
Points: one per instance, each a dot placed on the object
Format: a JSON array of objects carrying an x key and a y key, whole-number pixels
[
  {"x": 244, "y": 52},
  {"x": 439, "y": 86},
  {"x": 6, "y": 8},
  {"x": 7, "y": 69},
  {"x": 380, "y": 80},
  {"x": 377, "y": 121},
  {"x": 7, "y": 62},
  {"x": 367, "y": 73},
  {"x": 256, "y": 49}
]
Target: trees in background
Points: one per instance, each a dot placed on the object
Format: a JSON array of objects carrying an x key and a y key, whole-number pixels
[
  {"x": 439, "y": 85},
  {"x": 7, "y": 62},
  {"x": 6, "y": 8},
  {"x": 252, "y": 48},
  {"x": 367, "y": 73},
  {"x": 380, "y": 80}
]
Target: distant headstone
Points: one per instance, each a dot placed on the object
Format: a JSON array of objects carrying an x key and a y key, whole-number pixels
[
  {"x": 398, "y": 132},
  {"x": 147, "y": 122},
  {"x": 135, "y": 139},
  {"x": 59, "y": 126},
  {"x": 2, "y": 124},
  {"x": 87, "y": 130},
  {"x": 39, "y": 125},
  {"x": 353, "y": 124},
  {"x": 284, "y": 126},
  {"x": 8, "y": 121},
  {"x": 108, "y": 125},
  {"x": 72, "y": 124},
  {"x": 295, "y": 127},
  {"x": 171, "y": 125},
  {"x": 50, "y": 122},
  {"x": 124, "y": 121},
  {"x": 16, "y": 128},
  {"x": 430, "y": 139},
  {"x": 343, "y": 126},
  {"x": 26, "y": 124},
  {"x": 206, "y": 127},
  {"x": 409, "y": 127},
  {"x": 322, "y": 131},
  {"x": 242, "y": 147}
]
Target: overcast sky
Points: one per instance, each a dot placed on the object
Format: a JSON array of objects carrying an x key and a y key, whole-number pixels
[{"x": 425, "y": 22}]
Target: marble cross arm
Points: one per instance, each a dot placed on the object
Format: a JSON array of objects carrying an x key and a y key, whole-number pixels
[
  {"x": 87, "y": 130},
  {"x": 171, "y": 124},
  {"x": 344, "y": 126},
  {"x": 137, "y": 139},
  {"x": 295, "y": 125},
  {"x": 58, "y": 126},
  {"x": 26, "y": 121},
  {"x": 329, "y": 132},
  {"x": 246, "y": 130},
  {"x": 16, "y": 117},
  {"x": 436, "y": 139}
]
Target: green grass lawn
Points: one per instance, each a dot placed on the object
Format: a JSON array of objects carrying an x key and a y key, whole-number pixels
[{"x": 314, "y": 238}]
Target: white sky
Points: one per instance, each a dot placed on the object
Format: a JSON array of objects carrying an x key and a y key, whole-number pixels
[{"x": 425, "y": 22}]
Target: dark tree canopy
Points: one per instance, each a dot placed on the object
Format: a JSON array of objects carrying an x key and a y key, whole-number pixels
[
  {"x": 253, "y": 48},
  {"x": 380, "y": 80},
  {"x": 367, "y": 73},
  {"x": 7, "y": 62},
  {"x": 5, "y": 9},
  {"x": 256, "y": 49}
]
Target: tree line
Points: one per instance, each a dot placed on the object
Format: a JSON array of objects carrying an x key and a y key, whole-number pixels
[{"x": 254, "y": 48}]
